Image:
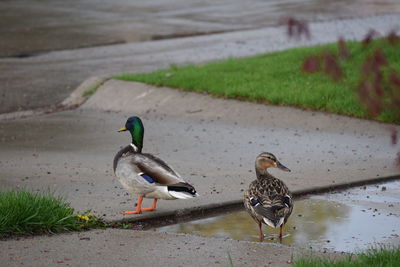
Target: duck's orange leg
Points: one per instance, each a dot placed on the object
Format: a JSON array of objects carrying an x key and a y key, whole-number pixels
[
  {"x": 261, "y": 231},
  {"x": 139, "y": 207},
  {"x": 280, "y": 235},
  {"x": 152, "y": 207}
]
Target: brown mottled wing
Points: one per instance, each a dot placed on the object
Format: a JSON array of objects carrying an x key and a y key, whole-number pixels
[
  {"x": 270, "y": 191},
  {"x": 248, "y": 206},
  {"x": 274, "y": 196},
  {"x": 156, "y": 169}
]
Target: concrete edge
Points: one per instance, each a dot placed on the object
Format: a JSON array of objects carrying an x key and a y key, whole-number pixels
[
  {"x": 23, "y": 113},
  {"x": 150, "y": 220},
  {"x": 82, "y": 93},
  {"x": 87, "y": 88}
]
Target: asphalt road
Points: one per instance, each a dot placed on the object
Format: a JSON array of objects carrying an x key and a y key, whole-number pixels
[
  {"x": 92, "y": 36},
  {"x": 31, "y": 27}
]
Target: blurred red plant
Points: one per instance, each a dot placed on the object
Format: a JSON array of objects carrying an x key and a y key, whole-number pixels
[
  {"x": 374, "y": 91},
  {"x": 343, "y": 49},
  {"x": 392, "y": 37},
  {"x": 296, "y": 28},
  {"x": 371, "y": 34},
  {"x": 331, "y": 66},
  {"x": 311, "y": 64}
]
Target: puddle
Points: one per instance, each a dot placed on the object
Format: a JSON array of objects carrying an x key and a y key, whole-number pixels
[{"x": 349, "y": 221}]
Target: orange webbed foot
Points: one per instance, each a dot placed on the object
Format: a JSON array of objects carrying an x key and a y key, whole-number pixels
[
  {"x": 153, "y": 207},
  {"x": 132, "y": 212},
  {"x": 139, "y": 208}
]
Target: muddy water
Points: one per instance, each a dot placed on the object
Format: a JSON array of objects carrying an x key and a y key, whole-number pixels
[{"x": 349, "y": 221}]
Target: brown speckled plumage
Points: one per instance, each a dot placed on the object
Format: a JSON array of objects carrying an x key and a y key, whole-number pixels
[{"x": 268, "y": 200}]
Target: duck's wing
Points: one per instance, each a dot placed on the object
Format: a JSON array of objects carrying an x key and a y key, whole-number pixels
[
  {"x": 272, "y": 201},
  {"x": 156, "y": 169},
  {"x": 148, "y": 175},
  {"x": 273, "y": 212}
]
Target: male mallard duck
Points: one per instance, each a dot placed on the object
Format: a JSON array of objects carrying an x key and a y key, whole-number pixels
[
  {"x": 268, "y": 200},
  {"x": 146, "y": 175}
]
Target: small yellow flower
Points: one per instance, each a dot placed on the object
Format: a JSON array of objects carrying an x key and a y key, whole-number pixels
[{"x": 85, "y": 218}]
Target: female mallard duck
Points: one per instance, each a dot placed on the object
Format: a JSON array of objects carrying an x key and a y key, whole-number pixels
[
  {"x": 146, "y": 175},
  {"x": 268, "y": 200}
]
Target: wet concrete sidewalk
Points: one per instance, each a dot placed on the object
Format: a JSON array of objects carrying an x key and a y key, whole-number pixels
[
  {"x": 47, "y": 79},
  {"x": 137, "y": 248},
  {"x": 211, "y": 142}
]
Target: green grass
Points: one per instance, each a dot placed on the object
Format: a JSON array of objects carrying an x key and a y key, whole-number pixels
[
  {"x": 89, "y": 92},
  {"x": 382, "y": 257},
  {"x": 23, "y": 212},
  {"x": 277, "y": 79}
]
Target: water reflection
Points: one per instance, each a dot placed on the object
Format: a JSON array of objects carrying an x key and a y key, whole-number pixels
[
  {"x": 310, "y": 218},
  {"x": 331, "y": 221}
]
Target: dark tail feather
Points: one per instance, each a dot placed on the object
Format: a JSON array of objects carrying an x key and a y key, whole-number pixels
[
  {"x": 269, "y": 213},
  {"x": 182, "y": 190}
]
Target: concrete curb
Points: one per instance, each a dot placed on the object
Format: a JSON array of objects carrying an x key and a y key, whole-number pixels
[
  {"x": 82, "y": 93},
  {"x": 22, "y": 114},
  {"x": 172, "y": 217}
]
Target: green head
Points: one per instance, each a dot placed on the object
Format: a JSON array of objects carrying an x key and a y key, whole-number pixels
[{"x": 135, "y": 126}]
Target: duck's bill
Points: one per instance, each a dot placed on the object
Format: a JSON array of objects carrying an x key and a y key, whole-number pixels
[
  {"x": 283, "y": 168},
  {"x": 123, "y": 129}
]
